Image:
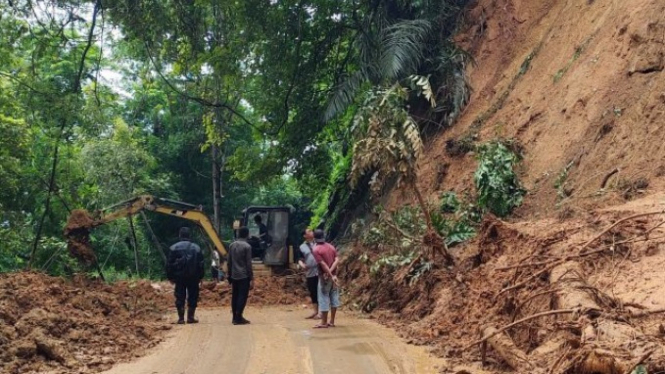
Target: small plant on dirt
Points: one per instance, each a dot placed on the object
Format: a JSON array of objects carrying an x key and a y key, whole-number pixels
[
  {"x": 394, "y": 230},
  {"x": 392, "y": 262},
  {"x": 497, "y": 185},
  {"x": 420, "y": 270},
  {"x": 456, "y": 220},
  {"x": 373, "y": 236},
  {"x": 576, "y": 55},
  {"x": 560, "y": 183},
  {"x": 409, "y": 218},
  {"x": 113, "y": 275},
  {"x": 449, "y": 202},
  {"x": 461, "y": 146}
]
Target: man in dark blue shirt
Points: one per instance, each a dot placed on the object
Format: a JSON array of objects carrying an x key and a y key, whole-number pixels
[{"x": 185, "y": 268}]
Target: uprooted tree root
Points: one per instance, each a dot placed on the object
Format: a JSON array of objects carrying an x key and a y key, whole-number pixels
[
  {"x": 593, "y": 329},
  {"x": 532, "y": 313}
]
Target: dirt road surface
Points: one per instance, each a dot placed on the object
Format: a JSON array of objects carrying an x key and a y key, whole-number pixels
[{"x": 280, "y": 341}]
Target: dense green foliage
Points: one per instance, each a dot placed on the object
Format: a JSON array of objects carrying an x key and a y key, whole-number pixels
[
  {"x": 220, "y": 103},
  {"x": 497, "y": 185}
]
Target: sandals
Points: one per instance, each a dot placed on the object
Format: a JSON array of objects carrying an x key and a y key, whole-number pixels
[{"x": 319, "y": 326}]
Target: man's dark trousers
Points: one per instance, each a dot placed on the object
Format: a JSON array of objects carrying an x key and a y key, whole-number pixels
[
  {"x": 239, "y": 296},
  {"x": 188, "y": 288}
]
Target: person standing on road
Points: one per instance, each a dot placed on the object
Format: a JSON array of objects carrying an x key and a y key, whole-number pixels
[
  {"x": 185, "y": 268},
  {"x": 308, "y": 262},
  {"x": 240, "y": 275},
  {"x": 328, "y": 289}
]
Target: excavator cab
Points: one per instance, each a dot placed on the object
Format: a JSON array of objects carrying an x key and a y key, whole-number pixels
[{"x": 269, "y": 234}]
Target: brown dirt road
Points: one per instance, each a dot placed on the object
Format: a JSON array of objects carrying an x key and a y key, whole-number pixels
[{"x": 280, "y": 341}]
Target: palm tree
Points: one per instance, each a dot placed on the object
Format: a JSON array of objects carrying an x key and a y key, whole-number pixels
[{"x": 397, "y": 39}]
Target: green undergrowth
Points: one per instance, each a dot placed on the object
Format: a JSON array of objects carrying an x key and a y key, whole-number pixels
[{"x": 394, "y": 239}]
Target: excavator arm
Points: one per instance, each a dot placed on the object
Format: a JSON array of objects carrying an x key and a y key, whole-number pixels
[{"x": 152, "y": 204}]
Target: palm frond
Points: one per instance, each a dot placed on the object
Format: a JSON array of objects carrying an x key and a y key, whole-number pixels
[
  {"x": 425, "y": 88},
  {"x": 403, "y": 45},
  {"x": 345, "y": 94}
]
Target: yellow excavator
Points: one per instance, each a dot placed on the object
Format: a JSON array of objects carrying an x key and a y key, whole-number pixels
[{"x": 80, "y": 222}]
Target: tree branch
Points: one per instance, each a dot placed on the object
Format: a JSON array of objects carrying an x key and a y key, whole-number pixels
[
  {"x": 196, "y": 99},
  {"x": 525, "y": 319}
]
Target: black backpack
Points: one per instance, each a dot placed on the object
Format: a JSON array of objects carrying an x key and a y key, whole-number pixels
[{"x": 186, "y": 266}]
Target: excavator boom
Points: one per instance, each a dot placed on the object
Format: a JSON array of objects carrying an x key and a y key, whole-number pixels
[
  {"x": 164, "y": 206},
  {"x": 76, "y": 224}
]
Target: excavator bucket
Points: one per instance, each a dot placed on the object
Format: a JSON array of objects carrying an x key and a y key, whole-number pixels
[{"x": 77, "y": 233}]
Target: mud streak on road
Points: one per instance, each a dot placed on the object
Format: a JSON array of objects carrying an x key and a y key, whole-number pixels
[{"x": 280, "y": 341}]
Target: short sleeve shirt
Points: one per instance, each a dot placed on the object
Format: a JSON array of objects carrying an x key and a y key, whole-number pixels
[
  {"x": 310, "y": 261},
  {"x": 325, "y": 252}
]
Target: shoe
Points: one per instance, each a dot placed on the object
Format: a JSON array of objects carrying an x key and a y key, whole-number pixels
[
  {"x": 181, "y": 316},
  {"x": 190, "y": 315},
  {"x": 243, "y": 321}
]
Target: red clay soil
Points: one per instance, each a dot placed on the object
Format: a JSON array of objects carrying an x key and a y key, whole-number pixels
[
  {"x": 288, "y": 290},
  {"x": 49, "y": 324},
  {"x": 578, "y": 84},
  {"x": 77, "y": 233}
]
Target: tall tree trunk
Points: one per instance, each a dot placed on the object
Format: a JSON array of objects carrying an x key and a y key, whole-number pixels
[
  {"x": 423, "y": 207},
  {"x": 134, "y": 244},
  {"x": 432, "y": 237},
  {"x": 222, "y": 164},
  {"x": 215, "y": 185},
  {"x": 76, "y": 89},
  {"x": 154, "y": 237}
]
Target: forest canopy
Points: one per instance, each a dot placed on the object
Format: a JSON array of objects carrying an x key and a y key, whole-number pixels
[{"x": 219, "y": 103}]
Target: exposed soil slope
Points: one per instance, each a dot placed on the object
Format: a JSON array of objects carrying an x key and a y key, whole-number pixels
[
  {"x": 598, "y": 277},
  {"x": 579, "y": 84}
]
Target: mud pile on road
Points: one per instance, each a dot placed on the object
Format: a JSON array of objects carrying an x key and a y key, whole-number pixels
[
  {"x": 77, "y": 232},
  {"x": 53, "y": 325},
  {"x": 285, "y": 290},
  {"x": 578, "y": 296}
]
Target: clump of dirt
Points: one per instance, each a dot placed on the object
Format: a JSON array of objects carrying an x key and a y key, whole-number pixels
[
  {"x": 49, "y": 324},
  {"x": 584, "y": 295},
  {"x": 77, "y": 232},
  {"x": 79, "y": 219}
]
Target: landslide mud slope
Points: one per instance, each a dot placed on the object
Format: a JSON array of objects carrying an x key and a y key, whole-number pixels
[
  {"x": 544, "y": 296},
  {"x": 579, "y": 84},
  {"x": 573, "y": 282}
]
